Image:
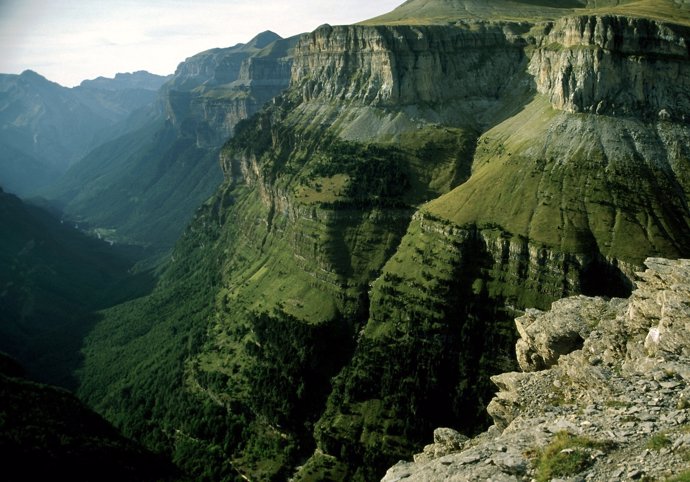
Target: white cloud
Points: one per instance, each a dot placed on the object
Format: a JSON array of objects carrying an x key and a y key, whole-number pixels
[{"x": 71, "y": 40}]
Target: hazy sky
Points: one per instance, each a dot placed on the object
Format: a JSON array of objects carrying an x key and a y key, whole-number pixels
[{"x": 68, "y": 41}]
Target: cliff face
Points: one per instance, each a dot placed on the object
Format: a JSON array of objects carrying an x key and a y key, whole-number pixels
[
  {"x": 603, "y": 395},
  {"x": 411, "y": 191},
  {"x": 557, "y": 203},
  {"x": 532, "y": 222},
  {"x": 214, "y": 90},
  {"x": 399, "y": 66},
  {"x": 615, "y": 65}
]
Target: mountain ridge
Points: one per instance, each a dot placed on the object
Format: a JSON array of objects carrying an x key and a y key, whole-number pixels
[
  {"x": 55, "y": 126},
  {"x": 175, "y": 150}
]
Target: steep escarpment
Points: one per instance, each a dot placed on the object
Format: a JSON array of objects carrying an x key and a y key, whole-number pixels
[
  {"x": 374, "y": 83},
  {"x": 557, "y": 203},
  {"x": 398, "y": 66},
  {"x": 212, "y": 91},
  {"x": 381, "y": 223},
  {"x": 603, "y": 395},
  {"x": 304, "y": 222},
  {"x": 615, "y": 65},
  {"x": 615, "y": 174}
]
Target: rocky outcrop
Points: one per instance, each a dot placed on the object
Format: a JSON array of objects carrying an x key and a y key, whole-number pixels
[
  {"x": 617, "y": 404},
  {"x": 544, "y": 337}
]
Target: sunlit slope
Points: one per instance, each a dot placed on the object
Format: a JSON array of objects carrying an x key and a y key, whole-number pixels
[
  {"x": 451, "y": 11},
  {"x": 575, "y": 182}
]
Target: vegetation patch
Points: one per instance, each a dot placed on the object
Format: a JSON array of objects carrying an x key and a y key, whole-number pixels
[
  {"x": 617, "y": 404},
  {"x": 658, "y": 441},
  {"x": 567, "y": 455},
  {"x": 682, "y": 477},
  {"x": 375, "y": 172}
]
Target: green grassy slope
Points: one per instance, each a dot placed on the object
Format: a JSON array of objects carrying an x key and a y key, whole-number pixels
[
  {"x": 424, "y": 12},
  {"x": 577, "y": 183}
]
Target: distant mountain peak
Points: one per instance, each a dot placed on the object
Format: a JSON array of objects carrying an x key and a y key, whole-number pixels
[
  {"x": 32, "y": 75},
  {"x": 263, "y": 39}
]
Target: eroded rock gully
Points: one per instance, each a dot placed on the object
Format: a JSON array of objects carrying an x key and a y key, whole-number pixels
[{"x": 623, "y": 394}]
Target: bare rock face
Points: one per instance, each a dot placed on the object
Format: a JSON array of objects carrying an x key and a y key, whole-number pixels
[
  {"x": 446, "y": 441},
  {"x": 616, "y": 66},
  {"x": 618, "y": 397},
  {"x": 404, "y": 65},
  {"x": 544, "y": 337}
]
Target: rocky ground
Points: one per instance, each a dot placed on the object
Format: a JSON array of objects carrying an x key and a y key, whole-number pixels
[{"x": 603, "y": 395}]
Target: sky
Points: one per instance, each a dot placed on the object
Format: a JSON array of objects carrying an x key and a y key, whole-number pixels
[{"x": 68, "y": 41}]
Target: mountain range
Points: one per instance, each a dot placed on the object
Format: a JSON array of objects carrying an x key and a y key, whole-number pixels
[
  {"x": 44, "y": 127},
  {"x": 358, "y": 214},
  {"x": 143, "y": 186}
]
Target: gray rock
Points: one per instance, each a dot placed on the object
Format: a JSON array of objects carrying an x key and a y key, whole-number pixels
[
  {"x": 510, "y": 462},
  {"x": 545, "y": 336},
  {"x": 449, "y": 437}
]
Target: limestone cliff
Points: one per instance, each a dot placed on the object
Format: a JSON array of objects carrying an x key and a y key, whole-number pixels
[
  {"x": 608, "y": 400},
  {"x": 214, "y": 90},
  {"x": 615, "y": 65},
  {"x": 403, "y": 65}
]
